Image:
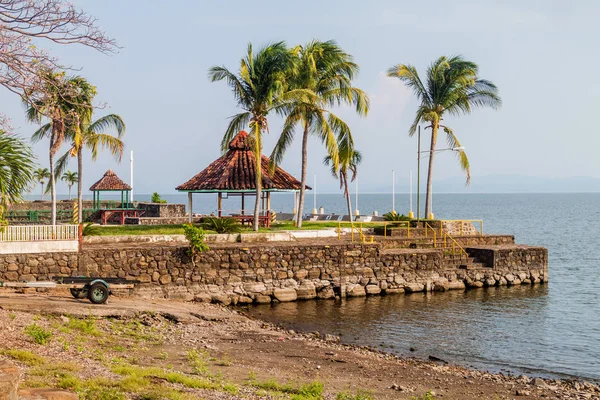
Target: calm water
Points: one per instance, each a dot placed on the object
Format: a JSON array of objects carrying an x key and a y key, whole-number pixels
[{"x": 551, "y": 330}]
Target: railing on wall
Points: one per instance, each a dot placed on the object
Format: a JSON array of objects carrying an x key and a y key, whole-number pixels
[{"x": 35, "y": 233}]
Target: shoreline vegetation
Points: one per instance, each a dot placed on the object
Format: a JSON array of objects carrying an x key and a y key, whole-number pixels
[{"x": 172, "y": 350}]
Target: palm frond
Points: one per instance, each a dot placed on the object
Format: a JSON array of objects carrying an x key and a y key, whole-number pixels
[
  {"x": 463, "y": 160},
  {"x": 97, "y": 141},
  {"x": 108, "y": 122},
  {"x": 236, "y": 123},
  {"x": 42, "y": 133}
]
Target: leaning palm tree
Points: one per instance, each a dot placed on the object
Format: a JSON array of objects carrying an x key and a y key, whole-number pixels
[
  {"x": 452, "y": 87},
  {"x": 348, "y": 160},
  {"x": 70, "y": 178},
  {"x": 259, "y": 88},
  {"x": 327, "y": 71},
  {"x": 41, "y": 175},
  {"x": 56, "y": 104},
  {"x": 16, "y": 170},
  {"x": 92, "y": 135}
]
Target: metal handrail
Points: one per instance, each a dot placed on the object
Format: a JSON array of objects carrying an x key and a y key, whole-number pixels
[
  {"x": 427, "y": 226},
  {"x": 455, "y": 245},
  {"x": 358, "y": 227}
]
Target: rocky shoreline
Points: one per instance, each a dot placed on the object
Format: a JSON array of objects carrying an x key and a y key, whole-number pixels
[{"x": 235, "y": 348}]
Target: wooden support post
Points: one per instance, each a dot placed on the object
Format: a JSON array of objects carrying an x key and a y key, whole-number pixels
[
  {"x": 268, "y": 201},
  {"x": 190, "y": 207},
  {"x": 242, "y": 203},
  {"x": 219, "y": 204}
]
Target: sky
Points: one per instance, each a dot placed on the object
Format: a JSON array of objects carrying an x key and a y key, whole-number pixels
[{"x": 540, "y": 54}]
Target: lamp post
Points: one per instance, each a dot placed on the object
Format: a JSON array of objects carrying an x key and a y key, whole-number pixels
[
  {"x": 393, "y": 192},
  {"x": 461, "y": 148},
  {"x": 314, "y": 211}
]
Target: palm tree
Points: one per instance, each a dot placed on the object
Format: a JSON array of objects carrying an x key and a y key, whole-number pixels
[
  {"x": 453, "y": 86},
  {"x": 325, "y": 70},
  {"x": 348, "y": 160},
  {"x": 40, "y": 175},
  {"x": 16, "y": 170},
  {"x": 85, "y": 133},
  {"x": 56, "y": 104},
  {"x": 70, "y": 178},
  {"x": 259, "y": 88}
]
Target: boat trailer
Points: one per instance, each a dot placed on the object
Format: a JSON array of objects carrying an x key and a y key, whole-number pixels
[{"x": 95, "y": 289}]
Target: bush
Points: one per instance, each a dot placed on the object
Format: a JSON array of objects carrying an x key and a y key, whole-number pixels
[
  {"x": 90, "y": 229},
  {"x": 157, "y": 199},
  {"x": 394, "y": 216},
  {"x": 195, "y": 236},
  {"x": 222, "y": 225},
  {"x": 38, "y": 333}
]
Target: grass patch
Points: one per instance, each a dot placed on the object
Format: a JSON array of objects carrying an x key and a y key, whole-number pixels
[
  {"x": 38, "y": 333},
  {"x": 309, "y": 391},
  {"x": 86, "y": 326},
  {"x": 426, "y": 396},
  {"x": 126, "y": 230},
  {"x": 360, "y": 395},
  {"x": 24, "y": 356},
  {"x": 197, "y": 361}
]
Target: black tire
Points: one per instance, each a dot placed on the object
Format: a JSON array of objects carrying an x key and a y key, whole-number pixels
[
  {"x": 79, "y": 293},
  {"x": 98, "y": 293}
]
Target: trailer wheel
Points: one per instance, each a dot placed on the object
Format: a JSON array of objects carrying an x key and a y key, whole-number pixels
[
  {"x": 79, "y": 293},
  {"x": 98, "y": 293}
]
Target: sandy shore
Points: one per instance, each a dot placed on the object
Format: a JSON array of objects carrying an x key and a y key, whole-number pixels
[{"x": 165, "y": 349}]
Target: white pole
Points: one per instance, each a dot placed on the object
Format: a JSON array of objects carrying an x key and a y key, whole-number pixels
[
  {"x": 131, "y": 176},
  {"x": 410, "y": 190},
  {"x": 393, "y": 191}
]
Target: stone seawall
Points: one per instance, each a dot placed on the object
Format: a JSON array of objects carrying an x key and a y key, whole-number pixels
[{"x": 262, "y": 273}]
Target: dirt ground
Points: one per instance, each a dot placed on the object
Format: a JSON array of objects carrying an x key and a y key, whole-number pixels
[{"x": 155, "y": 349}]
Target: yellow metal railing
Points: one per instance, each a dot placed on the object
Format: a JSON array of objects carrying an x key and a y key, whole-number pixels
[
  {"x": 356, "y": 229},
  {"x": 427, "y": 229},
  {"x": 462, "y": 223},
  {"x": 400, "y": 224},
  {"x": 456, "y": 247}
]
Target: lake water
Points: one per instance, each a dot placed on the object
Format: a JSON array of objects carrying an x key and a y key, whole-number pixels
[{"x": 550, "y": 330}]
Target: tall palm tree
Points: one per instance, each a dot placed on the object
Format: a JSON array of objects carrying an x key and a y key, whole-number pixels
[
  {"x": 90, "y": 134},
  {"x": 452, "y": 87},
  {"x": 41, "y": 175},
  {"x": 346, "y": 169},
  {"x": 259, "y": 88},
  {"x": 70, "y": 178},
  {"x": 16, "y": 170},
  {"x": 56, "y": 104},
  {"x": 327, "y": 71}
]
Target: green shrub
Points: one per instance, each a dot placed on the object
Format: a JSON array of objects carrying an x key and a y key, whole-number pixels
[
  {"x": 222, "y": 225},
  {"x": 38, "y": 333},
  {"x": 426, "y": 396},
  {"x": 195, "y": 236},
  {"x": 89, "y": 229},
  {"x": 394, "y": 216},
  {"x": 360, "y": 395},
  {"x": 157, "y": 199}
]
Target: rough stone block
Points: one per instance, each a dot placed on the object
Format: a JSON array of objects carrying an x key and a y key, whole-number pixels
[
  {"x": 372, "y": 289},
  {"x": 356, "y": 291},
  {"x": 9, "y": 381},
  {"x": 284, "y": 295}
]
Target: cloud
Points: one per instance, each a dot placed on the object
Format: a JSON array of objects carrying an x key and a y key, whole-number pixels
[{"x": 389, "y": 98}]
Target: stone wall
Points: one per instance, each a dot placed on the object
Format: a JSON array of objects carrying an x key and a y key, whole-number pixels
[
  {"x": 284, "y": 271},
  {"x": 464, "y": 241},
  {"x": 161, "y": 210}
]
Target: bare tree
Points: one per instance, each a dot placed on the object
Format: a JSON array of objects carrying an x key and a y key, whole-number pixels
[{"x": 26, "y": 23}]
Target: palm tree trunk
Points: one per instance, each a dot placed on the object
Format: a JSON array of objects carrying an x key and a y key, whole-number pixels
[
  {"x": 42, "y": 183},
  {"x": 80, "y": 184},
  {"x": 429, "y": 194},
  {"x": 52, "y": 183},
  {"x": 347, "y": 195},
  {"x": 69, "y": 192},
  {"x": 258, "y": 167},
  {"x": 303, "y": 176}
]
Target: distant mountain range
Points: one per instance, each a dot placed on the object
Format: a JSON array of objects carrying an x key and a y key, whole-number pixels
[{"x": 508, "y": 184}]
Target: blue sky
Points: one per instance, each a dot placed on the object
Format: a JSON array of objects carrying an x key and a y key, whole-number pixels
[{"x": 542, "y": 55}]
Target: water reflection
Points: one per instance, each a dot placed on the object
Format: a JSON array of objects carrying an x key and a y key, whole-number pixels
[{"x": 494, "y": 328}]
